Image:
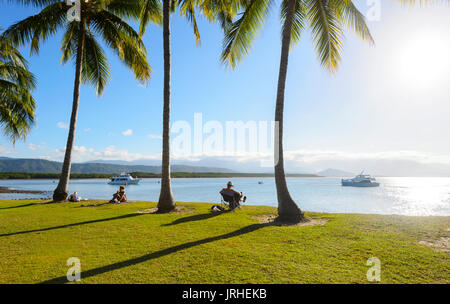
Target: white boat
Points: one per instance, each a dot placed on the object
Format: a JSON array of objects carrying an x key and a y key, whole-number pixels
[
  {"x": 124, "y": 179},
  {"x": 361, "y": 180}
]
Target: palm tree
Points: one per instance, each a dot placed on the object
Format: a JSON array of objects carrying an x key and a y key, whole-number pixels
[
  {"x": 213, "y": 10},
  {"x": 16, "y": 82},
  {"x": 327, "y": 20},
  {"x": 98, "y": 19}
]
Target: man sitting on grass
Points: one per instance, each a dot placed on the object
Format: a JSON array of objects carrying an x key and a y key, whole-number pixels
[
  {"x": 119, "y": 196},
  {"x": 232, "y": 196}
]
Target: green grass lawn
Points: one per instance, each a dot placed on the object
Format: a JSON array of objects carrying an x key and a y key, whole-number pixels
[{"x": 117, "y": 245}]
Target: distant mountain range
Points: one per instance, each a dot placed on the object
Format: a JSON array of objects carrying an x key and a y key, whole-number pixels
[
  {"x": 208, "y": 162},
  {"x": 334, "y": 173},
  {"x": 28, "y": 165},
  {"x": 45, "y": 166}
]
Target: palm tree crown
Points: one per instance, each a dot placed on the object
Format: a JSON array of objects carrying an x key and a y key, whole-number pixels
[
  {"x": 221, "y": 11},
  {"x": 16, "y": 82},
  {"x": 100, "y": 19},
  {"x": 326, "y": 19}
]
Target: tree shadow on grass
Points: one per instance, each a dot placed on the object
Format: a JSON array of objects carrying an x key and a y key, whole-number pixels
[
  {"x": 196, "y": 217},
  {"x": 158, "y": 254},
  {"x": 29, "y": 204},
  {"x": 19, "y": 206},
  {"x": 72, "y": 225}
]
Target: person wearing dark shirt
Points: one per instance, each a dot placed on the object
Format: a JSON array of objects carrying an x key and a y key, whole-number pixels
[{"x": 232, "y": 196}]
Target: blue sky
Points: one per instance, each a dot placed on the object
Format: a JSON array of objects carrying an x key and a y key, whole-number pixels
[{"x": 388, "y": 102}]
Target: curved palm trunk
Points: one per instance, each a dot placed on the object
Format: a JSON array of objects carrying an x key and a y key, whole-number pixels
[
  {"x": 61, "y": 190},
  {"x": 287, "y": 208},
  {"x": 166, "y": 201}
]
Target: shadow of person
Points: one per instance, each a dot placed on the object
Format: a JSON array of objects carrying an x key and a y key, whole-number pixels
[{"x": 158, "y": 254}]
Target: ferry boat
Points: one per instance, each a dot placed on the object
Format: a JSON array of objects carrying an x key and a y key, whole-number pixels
[
  {"x": 124, "y": 179},
  {"x": 361, "y": 180}
]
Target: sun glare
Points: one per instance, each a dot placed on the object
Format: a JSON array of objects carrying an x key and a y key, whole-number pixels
[{"x": 422, "y": 60}]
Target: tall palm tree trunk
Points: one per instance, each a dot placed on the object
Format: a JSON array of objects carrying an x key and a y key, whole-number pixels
[
  {"x": 166, "y": 201},
  {"x": 287, "y": 208},
  {"x": 61, "y": 190}
]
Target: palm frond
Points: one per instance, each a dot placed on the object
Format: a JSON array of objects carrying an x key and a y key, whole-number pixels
[
  {"x": 119, "y": 27},
  {"x": 222, "y": 11},
  {"x": 150, "y": 11},
  {"x": 16, "y": 82},
  {"x": 187, "y": 10},
  {"x": 299, "y": 19},
  {"x": 127, "y": 9},
  {"x": 348, "y": 15},
  {"x": 69, "y": 41},
  {"x": 9, "y": 53},
  {"x": 17, "y": 74},
  {"x": 16, "y": 110},
  {"x": 38, "y": 28},
  {"x": 96, "y": 69},
  {"x": 123, "y": 40},
  {"x": 240, "y": 34},
  {"x": 326, "y": 32}
]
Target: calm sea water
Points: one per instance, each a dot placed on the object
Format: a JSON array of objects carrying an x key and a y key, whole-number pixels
[{"x": 396, "y": 195}]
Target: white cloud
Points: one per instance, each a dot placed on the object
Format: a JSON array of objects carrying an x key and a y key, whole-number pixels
[
  {"x": 128, "y": 132},
  {"x": 62, "y": 125},
  {"x": 4, "y": 150},
  {"x": 83, "y": 154},
  {"x": 154, "y": 136},
  {"x": 87, "y": 130},
  {"x": 34, "y": 147}
]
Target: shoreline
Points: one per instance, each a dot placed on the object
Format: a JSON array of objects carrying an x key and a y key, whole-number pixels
[
  {"x": 9, "y": 190},
  {"x": 39, "y": 201}
]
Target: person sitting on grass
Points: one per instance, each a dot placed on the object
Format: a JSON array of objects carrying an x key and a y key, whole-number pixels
[
  {"x": 232, "y": 196},
  {"x": 119, "y": 196},
  {"x": 74, "y": 197}
]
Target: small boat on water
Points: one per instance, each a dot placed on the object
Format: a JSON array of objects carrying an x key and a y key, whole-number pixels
[
  {"x": 124, "y": 179},
  {"x": 361, "y": 180},
  {"x": 260, "y": 182}
]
